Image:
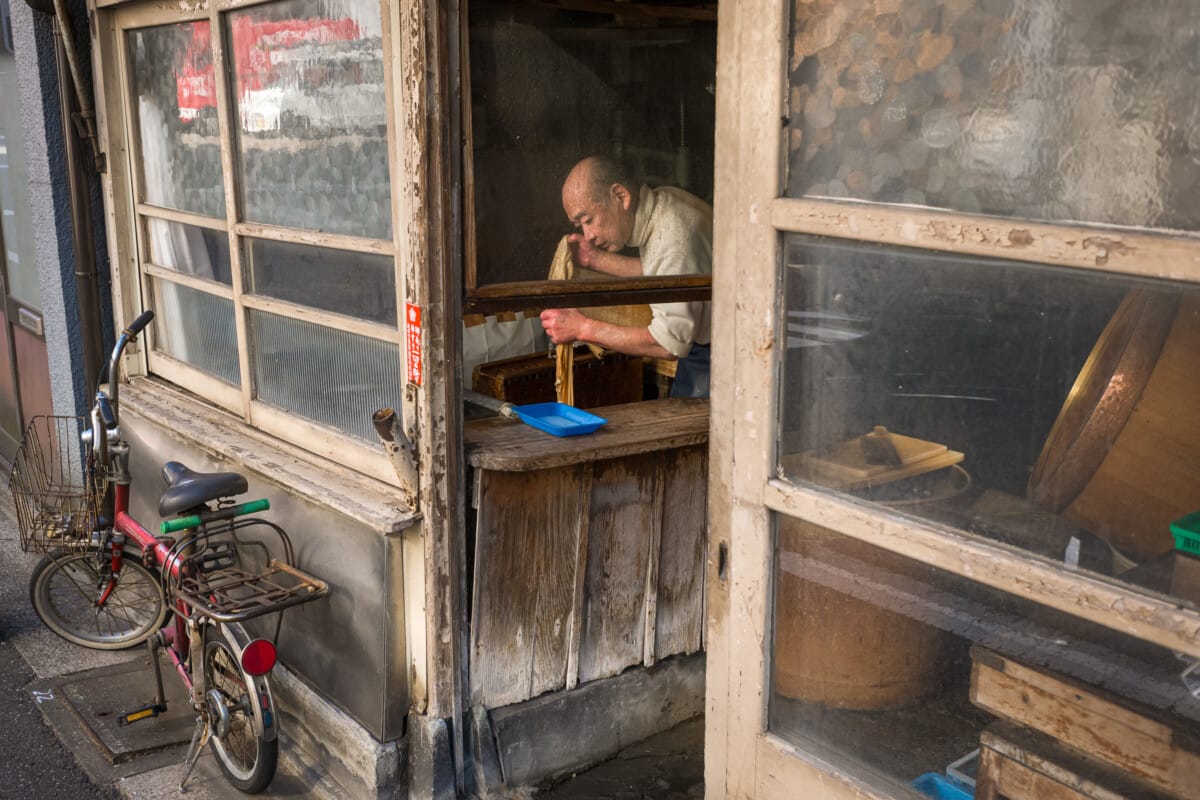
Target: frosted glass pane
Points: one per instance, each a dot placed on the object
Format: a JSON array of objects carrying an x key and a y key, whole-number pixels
[
  {"x": 356, "y": 284},
  {"x": 329, "y": 376},
  {"x": 1039, "y": 109},
  {"x": 176, "y": 110},
  {"x": 190, "y": 249},
  {"x": 312, "y": 134},
  {"x": 198, "y": 329}
]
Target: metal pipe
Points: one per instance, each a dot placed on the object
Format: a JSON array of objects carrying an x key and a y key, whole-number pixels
[
  {"x": 83, "y": 99},
  {"x": 87, "y": 292},
  {"x": 401, "y": 451}
]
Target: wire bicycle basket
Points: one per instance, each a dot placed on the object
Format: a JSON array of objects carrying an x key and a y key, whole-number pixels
[{"x": 54, "y": 486}]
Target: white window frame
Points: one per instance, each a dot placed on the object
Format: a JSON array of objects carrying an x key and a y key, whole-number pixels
[
  {"x": 133, "y": 288},
  {"x": 742, "y": 758}
]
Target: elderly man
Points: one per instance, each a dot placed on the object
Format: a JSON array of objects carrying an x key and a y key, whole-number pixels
[{"x": 672, "y": 231}]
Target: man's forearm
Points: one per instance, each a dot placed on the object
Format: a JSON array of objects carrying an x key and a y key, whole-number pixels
[
  {"x": 617, "y": 264},
  {"x": 629, "y": 340}
]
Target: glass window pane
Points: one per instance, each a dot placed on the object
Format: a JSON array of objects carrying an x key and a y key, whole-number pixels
[
  {"x": 197, "y": 328},
  {"x": 1052, "y": 409},
  {"x": 190, "y": 249},
  {"x": 329, "y": 376},
  {"x": 16, "y": 217},
  {"x": 897, "y": 670},
  {"x": 312, "y": 136},
  {"x": 1028, "y": 108},
  {"x": 176, "y": 110},
  {"x": 551, "y": 86},
  {"x": 357, "y": 284}
]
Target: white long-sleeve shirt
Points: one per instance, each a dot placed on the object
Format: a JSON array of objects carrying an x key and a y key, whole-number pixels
[{"x": 673, "y": 234}]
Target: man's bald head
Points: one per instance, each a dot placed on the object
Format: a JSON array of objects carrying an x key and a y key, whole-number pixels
[
  {"x": 593, "y": 178},
  {"x": 600, "y": 197}
]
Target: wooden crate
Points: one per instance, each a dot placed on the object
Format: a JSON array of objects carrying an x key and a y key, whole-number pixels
[
  {"x": 1016, "y": 763},
  {"x": 613, "y": 380},
  {"x": 1146, "y": 744}
]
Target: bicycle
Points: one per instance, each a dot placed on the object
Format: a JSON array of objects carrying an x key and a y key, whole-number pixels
[{"x": 188, "y": 594}]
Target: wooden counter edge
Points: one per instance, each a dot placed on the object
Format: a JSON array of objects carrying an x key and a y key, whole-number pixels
[{"x": 632, "y": 429}]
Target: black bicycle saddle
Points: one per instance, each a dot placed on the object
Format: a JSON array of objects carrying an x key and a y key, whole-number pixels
[{"x": 187, "y": 488}]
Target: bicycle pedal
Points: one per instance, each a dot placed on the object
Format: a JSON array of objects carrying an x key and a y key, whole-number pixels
[{"x": 149, "y": 711}]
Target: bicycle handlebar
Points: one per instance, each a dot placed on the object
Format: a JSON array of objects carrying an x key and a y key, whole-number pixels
[
  {"x": 127, "y": 336},
  {"x": 138, "y": 324},
  {"x": 106, "y": 409}
]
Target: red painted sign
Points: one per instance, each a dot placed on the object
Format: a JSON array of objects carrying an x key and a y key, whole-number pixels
[{"x": 412, "y": 332}]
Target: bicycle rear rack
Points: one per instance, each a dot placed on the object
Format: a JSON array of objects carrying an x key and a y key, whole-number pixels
[{"x": 231, "y": 594}]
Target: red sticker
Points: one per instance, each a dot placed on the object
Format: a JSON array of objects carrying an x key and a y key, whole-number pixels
[{"x": 412, "y": 330}]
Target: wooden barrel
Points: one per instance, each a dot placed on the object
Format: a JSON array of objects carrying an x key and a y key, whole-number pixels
[
  {"x": 841, "y": 650},
  {"x": 1123, "y": 457}
]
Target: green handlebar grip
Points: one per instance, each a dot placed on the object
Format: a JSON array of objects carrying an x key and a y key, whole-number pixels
[{"x": 183, "y": 523}]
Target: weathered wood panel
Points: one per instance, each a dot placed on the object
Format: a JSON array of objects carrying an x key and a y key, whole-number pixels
[
  {"x": 679, "y": 619},
  {"x": 1088, "y": 720},
  {"x": 624, "y": 507},
  {"x": 1020, "y": 764},
  {"x": 525, "y": 563}
]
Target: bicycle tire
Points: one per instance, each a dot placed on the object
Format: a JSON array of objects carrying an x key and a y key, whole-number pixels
[
  {"x": 63, "y": 591},
  {"x": 248, "y": 747}
]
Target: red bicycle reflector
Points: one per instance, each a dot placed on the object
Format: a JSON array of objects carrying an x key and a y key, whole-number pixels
[{"x": 259, "y": 657}]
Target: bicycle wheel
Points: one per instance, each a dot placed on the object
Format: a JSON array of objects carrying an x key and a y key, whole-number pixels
[
  {"x": 241, "y": 711},
  {"x": 64, "y": 590}
]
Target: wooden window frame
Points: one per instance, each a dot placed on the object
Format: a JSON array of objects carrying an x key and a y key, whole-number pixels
[
  {"x": 533, "y": 295},
  {"x": 742, "y": 758},
  {"x": 138, "y": 272}
]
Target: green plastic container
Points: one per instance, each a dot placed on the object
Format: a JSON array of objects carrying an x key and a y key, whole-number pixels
[{"x": 1187, "y": 533}]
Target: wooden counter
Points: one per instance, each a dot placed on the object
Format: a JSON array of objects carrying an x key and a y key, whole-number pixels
[
  {"x": 504, "y": 444},
  {"x": 589, "y": 550}
]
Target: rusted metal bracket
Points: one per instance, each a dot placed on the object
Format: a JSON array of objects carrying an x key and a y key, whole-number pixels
[{"x": 401, "y": 451}]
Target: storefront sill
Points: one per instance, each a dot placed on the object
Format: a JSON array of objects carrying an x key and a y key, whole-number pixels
[{"x": 227, "y": 438}]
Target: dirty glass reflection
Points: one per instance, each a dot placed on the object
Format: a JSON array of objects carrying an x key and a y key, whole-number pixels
[
  {"x": 1046, "y": 408},
  {"x": 176, "y": 107},
  {"x": 359, "y": 285},
  {"x": 903, "y": 673},
  {"x": 190, "y": 249},
  {"x": 1042, "y": 109},
  {"x": 312, "y": 116}
]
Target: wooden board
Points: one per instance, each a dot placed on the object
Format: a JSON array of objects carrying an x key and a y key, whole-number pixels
[
  {"x": 584, "y": 570},
  {"x": 525, "y": 559},
  {"x": 502, "y": 444},
  {"x": 846, "y": 465},
  {"x": 679, "y": 620},
  {"x": 624, "y": 514},
  {"x": 1020, "y": 764},
  {"x": 1133, "y": 739}
]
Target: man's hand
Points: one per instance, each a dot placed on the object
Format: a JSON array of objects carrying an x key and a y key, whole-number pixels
[
  {"x": 567, "y": 325},
  {"x": 563, "y": 325},
  {"x": 583, "y": 252}
]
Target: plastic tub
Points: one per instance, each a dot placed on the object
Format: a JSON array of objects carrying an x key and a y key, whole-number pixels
[
  {"x": 939, "y": 787},
  {"x": 1187, "y": 533},
  {"x": 558, "y": 419}
]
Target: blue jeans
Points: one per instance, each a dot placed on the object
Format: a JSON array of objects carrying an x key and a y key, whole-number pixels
[{"x": 692, "y": 373}]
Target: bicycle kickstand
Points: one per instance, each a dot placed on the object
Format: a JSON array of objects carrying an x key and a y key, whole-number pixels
[
  {"x": 200, "y": 737},
  {"x": 159, "y": 706}
]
